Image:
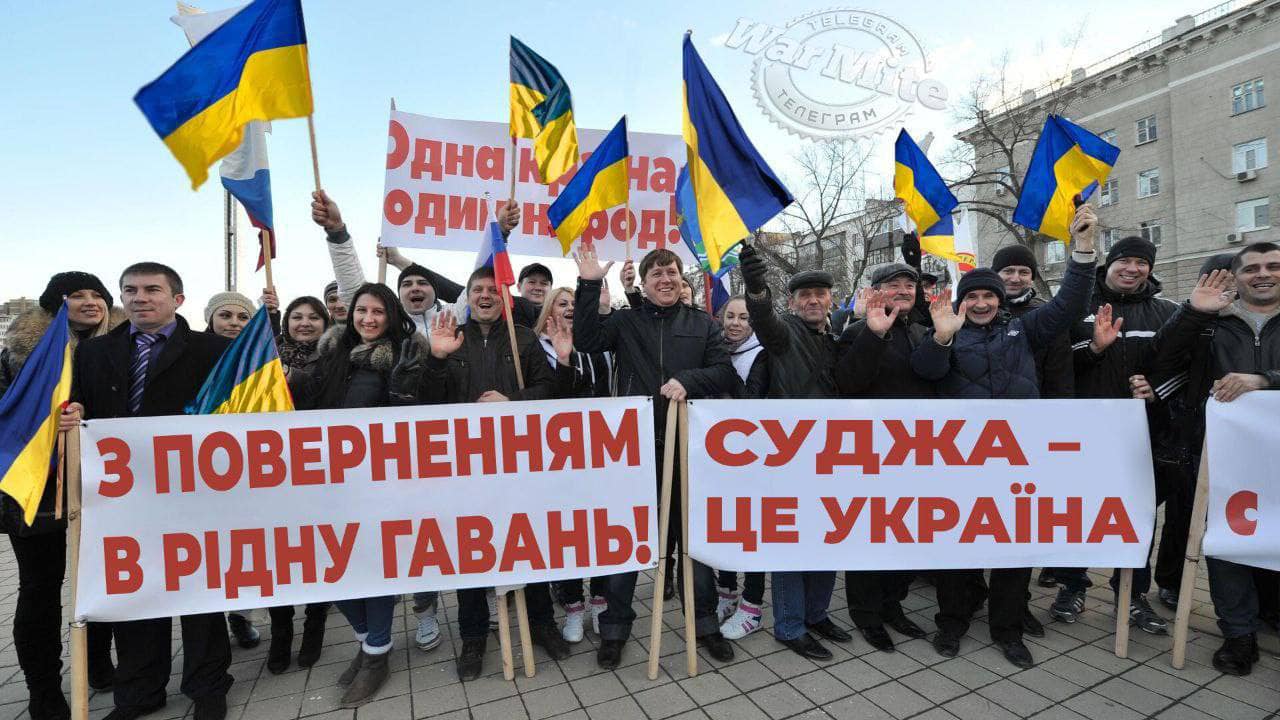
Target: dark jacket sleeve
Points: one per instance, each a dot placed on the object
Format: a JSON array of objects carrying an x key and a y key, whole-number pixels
[
  {"x": 772, "y": 333},
  {"x": 1176, "y": 341},
  {"x": 634, "y": 298},
  {"x": 593, "y": 332},
  {"x": 540, "y": 381},
  {"x": 525, "y": 311},
  {"x": 858, "y": 365},
  {"x": 757, "y": 384},
  {"x": 715, "y": 375},
  {"x": 930, "y": 360},
  {"x": 436, "y": 387},
  {"x": 1059, "y": 379},
  {"x": 1045, "y": 323}
]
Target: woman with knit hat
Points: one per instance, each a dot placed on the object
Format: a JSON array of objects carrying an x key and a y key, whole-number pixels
[
  {"x": 228, "y": 313},
  {"x": 41, "y": 548}
]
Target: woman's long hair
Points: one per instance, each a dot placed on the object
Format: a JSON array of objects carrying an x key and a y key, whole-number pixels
[
  {"x": 315, "y": 304},
  {"x": 540, "y": 326},
  {"x": 338, "y": 362}
]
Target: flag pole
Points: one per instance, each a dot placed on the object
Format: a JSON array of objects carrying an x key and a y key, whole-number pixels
[
  {"x": 315, "y": 159},
  {"x": 627, "y": 216},
  {"x": 522, "y": 614},
  {"x": 664, "y": 525},
  {"x": 229, "y": 238},
  {"x": 515, "y": 151},
  {"x": 79, "y": 628},
  {"x": 690, "y": 637},
  {"x": 268, "y": 245},
  {"x": 382, "y": 256}
]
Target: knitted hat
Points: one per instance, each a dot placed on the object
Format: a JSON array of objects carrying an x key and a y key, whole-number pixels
[
  {"x": 1221, "y": 261},
  {"x": 413, "y": 270},
  {"x": 330, "y": 288},
  {"x": 1019, "y": 255},
  {"x": 1132, "y": 247},
  {"x": 224, "y": 299},
  {"x": 979, "y": 279},
  {"x": 65, "y": 283}
]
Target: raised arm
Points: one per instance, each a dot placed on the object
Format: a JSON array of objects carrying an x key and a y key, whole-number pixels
[
  {"x": 342, "y": 253},
  {"x": 1046, "y": 322},
  {"x": 591, "y": 332},
  {"x": 765, "y": 323}
]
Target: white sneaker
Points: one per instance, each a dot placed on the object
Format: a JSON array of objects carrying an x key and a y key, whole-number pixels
[
  {"x": 745, "y": 620},
  {"x": 574, "y": 614},
  {"x": 598, "y": 606},
  {"x": 492, "y": 599},
  {"x": 727, "y": 604},
  {"x": 428, "y": 637}
]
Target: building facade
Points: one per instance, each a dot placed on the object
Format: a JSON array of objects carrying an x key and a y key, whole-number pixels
[{"x": 1199, "y": 169}]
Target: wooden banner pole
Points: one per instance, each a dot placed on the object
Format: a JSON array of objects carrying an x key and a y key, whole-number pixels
[
  {"x": 1191, "y": 565},
  {"x": 79, "y": 629},
  {"x": 664, "y": 523},
  {"x": 315, "y": 159},
  {"x": 1124, "y": 600},
  {"x": 268, "y": 244},
  {"x": 690, "y": 638},
  {"x": 504, "y": 638}
]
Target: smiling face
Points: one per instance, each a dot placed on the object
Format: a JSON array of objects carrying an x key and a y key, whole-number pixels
[
  {"x": 1016, "y": 278},
  {"x": 562, "y": 306},
  {"x": 149, "y": 300},
  {"x": 735, "y": 321},
  {"x": 228, "y": 321},
  {"x": 534, "y": 287},
  {"x": 337, "y": 310},
  {"x": 662, "y": 285},
  {"x": 369, "y": 317},
  {"x": 485, "y": 300},
  {"x": 1258, "y": 279},
  {"x": 812, "y": 304},
  {"x": 983, "y": 306},
  {"x": 902, "y": 290},
  {"x": 416, "y": 294},
  {"x": 305, "y": 324},
  {"x": 1127, "y": 275},
  {"x": 85, "y": 309}
]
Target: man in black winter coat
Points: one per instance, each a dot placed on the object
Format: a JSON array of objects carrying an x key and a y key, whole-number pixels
[
  {"x": 1112, "y": 346},
  {"x": 802, "y": 353},
  {"x": 155, "y": 365},
  {"x": 875, "y": 362},
  {"x": 1243, "y": 355},
  {"x": 474, "y": 363},
  {"x": 671, "y": 352}
]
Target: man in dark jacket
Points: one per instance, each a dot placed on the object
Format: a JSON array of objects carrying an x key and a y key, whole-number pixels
[
  {"x": 155, "y": 365},
  {"x": 474, "y": 363},
  {"x": 802, "y": 353},
  {"x": 1112, "y": 345},
  {"x": 672, "y": 352},
  {"x": 976, "y": 350},
  {"x": 875, "y": 362},
  {"x": 1243, "y": 356}
]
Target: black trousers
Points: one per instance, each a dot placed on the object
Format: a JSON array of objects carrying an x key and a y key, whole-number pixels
[
  {"x": 145, "y": 658},
  {"x": 1006, "y": 601},
  {"x": 37, "y": 619},
  {"x": 1177, "y": 483},
  {"x": 473, "y": 610},
  {"x": 875, "y": 596}
]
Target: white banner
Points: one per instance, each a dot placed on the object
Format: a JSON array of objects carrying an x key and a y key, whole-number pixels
[
  {"x": 444, "y": 176},
  {"x": 903, "y": 484},
  {"x": 220, "y": 512},
  {"x": 1244, "y": 488}
]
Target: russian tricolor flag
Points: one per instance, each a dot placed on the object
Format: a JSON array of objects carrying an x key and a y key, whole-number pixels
[{"x": 493, "y": 253}]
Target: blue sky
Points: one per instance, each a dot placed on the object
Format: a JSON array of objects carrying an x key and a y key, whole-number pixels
[{"x": 88, "y": 186}]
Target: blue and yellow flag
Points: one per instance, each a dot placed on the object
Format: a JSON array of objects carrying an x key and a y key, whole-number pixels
[
  {"x": 248, "y": 377},
  {"x": 734, "y": 190},
  {"x": 252, "y": 67},
  {"x": 940, "y": 239},
  {"x": 919, "y": 186},
  {"x": 1067, "y": 160},
  {"x": 601, "y": 183},
  {"x": 29, "y": 417},
  {"x": 542, "y": 109},
  {"x": 687, "y": 222}
]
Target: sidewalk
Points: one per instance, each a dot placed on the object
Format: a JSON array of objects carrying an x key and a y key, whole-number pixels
[{"x": 1077, "y": 675}]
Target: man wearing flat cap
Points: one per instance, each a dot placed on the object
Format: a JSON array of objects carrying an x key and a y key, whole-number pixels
[{"x": 801, "y": 352}]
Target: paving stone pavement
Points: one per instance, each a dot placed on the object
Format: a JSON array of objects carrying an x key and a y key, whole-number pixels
[{"x": 1077, "y": 675}]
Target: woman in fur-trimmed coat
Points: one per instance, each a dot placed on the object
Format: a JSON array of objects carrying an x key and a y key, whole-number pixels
[{"x": 41, "y": 548}]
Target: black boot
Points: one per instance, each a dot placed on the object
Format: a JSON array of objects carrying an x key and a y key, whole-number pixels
[
  {"x": 280, "y": 649},
  {"x": 471, "y": 659},
  {"x": 245, "y": 633},
  {"x": 48, "y": 704},
  {"x": 313, "y": 634},
  {"x": 1237, "y": 655},
  {"x": 369, "y": 680},
  {"x": 609, "y": 656}
]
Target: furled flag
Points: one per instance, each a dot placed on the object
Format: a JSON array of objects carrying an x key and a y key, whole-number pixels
[
  {"x": 601, "y": 183},
  {"x": 719, "y": 291},
  {"x": 252, "y": 67},
  {"x": 244, "y": 172},
  {"x": 1068, "y": 161},
  {"x": 249, "y": 376},
  {"x": 29, "y": 417},
  {"x": 687, "y": 221},
  {"x": 734, "y": 190},
  {"x": 542, "y": 109},
  {"x": 966, "y": 249},
  {"x": 919, "y": 186},
  {"x": 493, "y": 253}
]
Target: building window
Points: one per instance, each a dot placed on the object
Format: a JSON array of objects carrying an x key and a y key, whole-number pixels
[
  {"x": 1055, "y": 252},
  {"x": 880, "y": 256},
  {"x": 1250, "y": 155},
  {"x": 1146, "y": 130},
  {"x": 1253, "y": 215},
  {"x": 1109, "y": 238},
  {"x": 1247, "y": 96},
  {"x": 1150, "y": 232},
  {"x": 1149, "y": 183},
  {"x": 1108, "y": 136},
  {"x": 1110, "y": 194}
]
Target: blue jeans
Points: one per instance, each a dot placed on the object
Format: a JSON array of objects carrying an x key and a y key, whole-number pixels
[
  {"x": 1235, "y": 597},
  {"x": 800, "y": 599},
  {"x": 371, "y": 617},
  {"x": 425, "y": 601}
]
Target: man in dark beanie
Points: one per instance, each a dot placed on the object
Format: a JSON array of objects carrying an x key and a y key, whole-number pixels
[
  {"x": 1112, "y": 347},
  {"x": 333, "y": 302}
]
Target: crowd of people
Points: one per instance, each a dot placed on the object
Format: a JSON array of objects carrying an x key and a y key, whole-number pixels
[{"x": 1106, "y": 333}]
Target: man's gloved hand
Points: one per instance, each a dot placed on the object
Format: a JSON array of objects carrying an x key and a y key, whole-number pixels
[
  {"x": 911, "y": 249},
  {"x": 753, "y": 269}
]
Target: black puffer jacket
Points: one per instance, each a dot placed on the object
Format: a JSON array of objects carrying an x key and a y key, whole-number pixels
[
  {"x": 484, "y": 363},
  {"x": 1107, "y": 375},
  {"x": 653, "y": 345},
  {"x": 1053, "y": 361},
  {"x": 997, "y": 360},
  {"x": 366, "y": 374},
  {"x": 1234, "y": 347},
  {"x": 874, "y": 367},
  {"x": 801, "y": 359}
]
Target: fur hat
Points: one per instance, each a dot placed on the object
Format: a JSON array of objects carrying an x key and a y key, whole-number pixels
[{"x": 65, "y": 283}]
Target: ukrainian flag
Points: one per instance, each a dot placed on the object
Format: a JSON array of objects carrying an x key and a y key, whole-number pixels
[
  {"x": 1066, "y": 161},
  {"x": 542, "y": 109},
  {"x": 940, "y": 239},
  {"x": 687, "y": 222},
  {"x": 248, "y": 377},
  {"x": 919, "y": 186},
  {"x": 29, "y": 417},
  {"x": 734, "y": 190},
  {"x": 601, "y": 183},
  {"x": 252, "y": 67}
]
